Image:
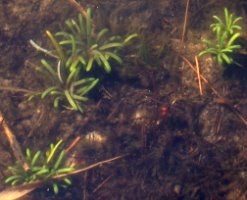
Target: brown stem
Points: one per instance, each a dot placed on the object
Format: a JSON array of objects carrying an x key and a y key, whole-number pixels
[
  {"x": 14, "y": 144},
  {"x": 78, "y": 7}
]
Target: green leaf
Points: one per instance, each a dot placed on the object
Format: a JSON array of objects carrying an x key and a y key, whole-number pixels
[
  {"x": 12, "y": 178},
  {"x": 80, "y": 98},
  {"x": 53, "y": 149},
  {"x": 84, "y": 90},
  {"x": 114, "y": 56},
  {"x": 72, "y": 75},
  {"x": 16, "y": 182},
  {"x": 42, "y": 171},
  {"x": 130, "y": 37},
  {"x": 101, "y": 34},
  {"x": 59, "y": 50},
  {"x": 48, "y": 91},
  {"x": 67, "y": 181},
  {"x": 55, "y": 188},
  {"x": 56, "y": 102},
  {"x": 89, "y": 26},
  {"x": 48, "y": 67},
  {"x": 82, "y": 24},
  {"x": 111, "y": 45},
  {"x": 232, "y": 39},
  {"x": 28, "y": 154},
  {"x": 59, "y": 160},
  {"x": 70, "y": 100},
  {"x": 65, "y": 170},
  {"x": 219, "y": 59},
  {"x": 89, "y": 64},
  {"x": 105, "y": 62},
  {"x": 35, "y": 158},
  {"x": 226, "y": 58},
  {"x": 69, "y": 23}
]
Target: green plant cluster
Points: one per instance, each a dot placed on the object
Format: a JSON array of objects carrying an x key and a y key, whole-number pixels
[
  {"x": 77, "y": 50},
  {"x": 42, "y": 167},
  {"x": 226, "y": 32}
]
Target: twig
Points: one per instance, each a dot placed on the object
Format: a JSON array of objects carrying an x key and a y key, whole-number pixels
[
  {"x": 101, "y": 184},
  {"x": 39, "y": 48},
  {"x": 185, "y": 22},
  {"x": 198, "y": 75},
  {"x": 14, "y": 89},
  {"x": 202, "y": 77},
  {"x": 14, "y": 145},
  {"x": 235, "y": 111},
  {"x": 78, "y": 7},
  {"x": 89, "y": 167},
  {"x": 19, "y": 191},
  {"x": 73, "y": 144},
  {"x": 219, "y": 100}
]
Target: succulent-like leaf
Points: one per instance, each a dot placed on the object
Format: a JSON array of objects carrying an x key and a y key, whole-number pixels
[
  {"x": 59, "y": 160},
  {"x": 82, "y": 91},
  {"x": 53, "y": 149},
  {"x": 130, "y": 37},
  {"x": 48, "y": 91},
  {"x": 35, "y": 158},
  {"x": 55, "y": 188},
  {"x": 71, "y": 100},
  {"x": 12, "y": 178},
  {"x": 56, "y": 45}
]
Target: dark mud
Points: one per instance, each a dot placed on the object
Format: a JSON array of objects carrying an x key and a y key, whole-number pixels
[{"x": 180, "y": 145}]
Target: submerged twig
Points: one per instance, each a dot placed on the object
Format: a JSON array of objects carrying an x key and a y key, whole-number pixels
[
  {"x": 89, "y": 167},
  {"x": 198, "y": 75},
  {"x": 73, "y": 144},
  {"x": 102, "y": 183},
  {"x": 19, "y": 191},
  {"x": 235, "y": 111},
  {"x": 14, "y": 144},
  {"x": 39, "y": 48},
  {"x": 78, "y": 7},
  {"x": 220, "y": 99},
  {"x": 15, "y": 89},
  {"x": 185, "y": 22},
  {"x": 202, "y": 77}
]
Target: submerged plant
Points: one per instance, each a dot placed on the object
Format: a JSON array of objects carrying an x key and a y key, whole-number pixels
[
  {"x": 89, "y": 48},
  {"x": 67, "y": 83},
  {"x": 226, "y": 32},
  {"x": 42, "y": 167},
  {"x": 76, "y": 51}
]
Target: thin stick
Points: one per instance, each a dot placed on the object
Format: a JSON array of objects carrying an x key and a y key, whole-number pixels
[
  {"x": 78, "y": 7},
  {"x": 202, "y": 77},
  {"x": 19, "y": 191},
  {"x": 101, "y": 184},
  {"x": 14, "y": 89},
  {"x": 185, "y": 22},
  {"x": 89, "y": 167},
  {"x": 228, "y": 105},
  {"x": 73, "y": 144},
  {"x": 220, "y": 100},
  {"x": 14, "y": 145},
  {"x": 198, "y": 75}
]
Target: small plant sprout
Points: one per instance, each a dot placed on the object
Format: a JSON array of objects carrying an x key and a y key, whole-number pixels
[
  {"x": 76, "y": 51},
  {"x": 43, "y": 166},
  {"x": 67, "y": 86},
  {"x": 89, "y": 48},
  {"x": 226, "y": 33}
]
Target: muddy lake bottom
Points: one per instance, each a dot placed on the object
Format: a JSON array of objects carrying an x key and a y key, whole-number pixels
[{"x": 176, "y": 143}]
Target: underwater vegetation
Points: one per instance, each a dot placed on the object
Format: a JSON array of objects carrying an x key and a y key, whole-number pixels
[
  {"x": 226, "y": 32},
  {"x": 89, "y": 48},
  {"x": 42, "y": 166},
  {"x": 77, "y": 50}
]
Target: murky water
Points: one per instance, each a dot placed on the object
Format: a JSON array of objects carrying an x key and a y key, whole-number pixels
[{"x": 175, "y": 142}]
